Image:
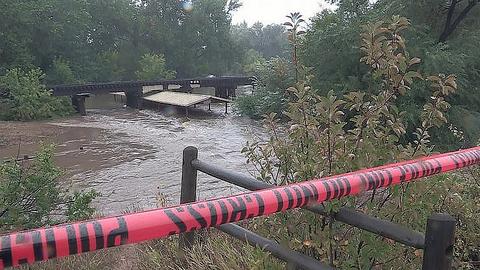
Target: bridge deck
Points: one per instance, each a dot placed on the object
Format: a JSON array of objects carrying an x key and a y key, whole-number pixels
[
  {"x": 229, "y": 82},
  {"x": 182, "y": 99}
]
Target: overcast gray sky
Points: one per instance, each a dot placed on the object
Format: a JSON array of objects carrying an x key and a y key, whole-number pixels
[{"x": 274, "y": 11}]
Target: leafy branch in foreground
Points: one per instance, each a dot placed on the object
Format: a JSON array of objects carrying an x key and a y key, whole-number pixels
[{"x": 32, "y": 195}]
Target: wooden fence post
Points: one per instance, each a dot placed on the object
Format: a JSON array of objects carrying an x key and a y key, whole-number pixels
[
  {"x": 439, "y": 241},
  {"x": 188, "y": 191}
]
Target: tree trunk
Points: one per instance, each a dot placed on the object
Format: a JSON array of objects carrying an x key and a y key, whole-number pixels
[{"x": 449, "y": 26}]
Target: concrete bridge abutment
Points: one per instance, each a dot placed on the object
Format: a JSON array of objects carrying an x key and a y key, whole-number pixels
[
  {"x": 134, "y": 98},
  {"x": 225, "y": 91},
  {"x": 78, "y": 102}
]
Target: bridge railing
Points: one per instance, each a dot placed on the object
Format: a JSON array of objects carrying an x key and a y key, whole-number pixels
[{"x": 41, "y": 244}]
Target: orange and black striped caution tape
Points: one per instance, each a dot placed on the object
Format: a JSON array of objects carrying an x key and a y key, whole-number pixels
[{"x": 41, "y": 244}]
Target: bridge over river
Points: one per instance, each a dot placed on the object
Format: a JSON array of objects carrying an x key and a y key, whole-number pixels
[{"x": 225, "y": 87}]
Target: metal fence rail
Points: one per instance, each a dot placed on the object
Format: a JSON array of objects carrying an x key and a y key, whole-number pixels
[
  {"x": 28, "y": 247},
  {"x": 188, "y": 194},
  {"x": 285, "y": 254},
  {"x": 357, "y": 219}
]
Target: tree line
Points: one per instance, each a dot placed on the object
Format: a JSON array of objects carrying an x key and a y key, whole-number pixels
[
  {"x": 74, "y": 41},
  {"x": 444, "y": 34},
  {"x": 94, "y": 41},
  {"x": 77, "y": 41}
]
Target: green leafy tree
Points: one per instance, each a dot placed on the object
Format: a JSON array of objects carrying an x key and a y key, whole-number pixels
[
  {"x": 61, "y": 73},
  {"x": 331, "y": 49},
  {"x": 269, "y": 40},
  {"x": 26, "y": 98},
  {"x": 108, "y": 67},
  {"x": 270, "y": 96},
  {"x": 35, "y": 33},
  {"x": 152, "y": 67},
  {"x": 253, "y": 62},
  {"x": 85, "y": 33},
  {"x": 208, "y": 28}
]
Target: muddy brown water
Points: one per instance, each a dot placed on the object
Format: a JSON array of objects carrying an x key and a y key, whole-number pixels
[{"x": 132, "y": 156}]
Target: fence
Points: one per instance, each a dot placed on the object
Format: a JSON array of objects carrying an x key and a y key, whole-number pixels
[
  {"x": 64, "y": 240},
  {"x": 437, "y": 243}
]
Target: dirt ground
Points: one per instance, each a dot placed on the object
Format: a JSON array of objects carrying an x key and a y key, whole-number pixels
[
  {"x": 19, "y": 134},
  {"x": 72, "y": 144},
  {"x": 25, "y": 137}
]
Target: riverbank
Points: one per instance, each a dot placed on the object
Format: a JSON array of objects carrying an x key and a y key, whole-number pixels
[
  {"x": 25, "y": 138},
  {"x": 77, "y": 148}
]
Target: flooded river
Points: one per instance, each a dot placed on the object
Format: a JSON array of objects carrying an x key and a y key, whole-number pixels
[{"x": 132, "y": 156}]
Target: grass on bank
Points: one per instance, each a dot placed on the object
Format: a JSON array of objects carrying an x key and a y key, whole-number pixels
[{"x": 215, "y": 250}]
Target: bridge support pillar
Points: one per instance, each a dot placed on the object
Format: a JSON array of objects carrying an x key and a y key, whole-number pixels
[
  {"x": 233, "y": 91},
  {"x": 221, "y": 92},
  {"x": 134, "y": 98},
  {"x": 187, "y": 88},
  {"x": 78, "y": 102},
  {"x": 225, "y": 91}
]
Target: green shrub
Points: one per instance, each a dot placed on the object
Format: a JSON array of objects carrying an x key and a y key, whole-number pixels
[
  {"x": 271, "y": 96},
  {"x": 32, "y": 196},
  {"x": 249, "y": 105},
  {"x": 331, "y": 47},
  {"x": 27, "y": 98},
  {"x": 252, "y": 61}
]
